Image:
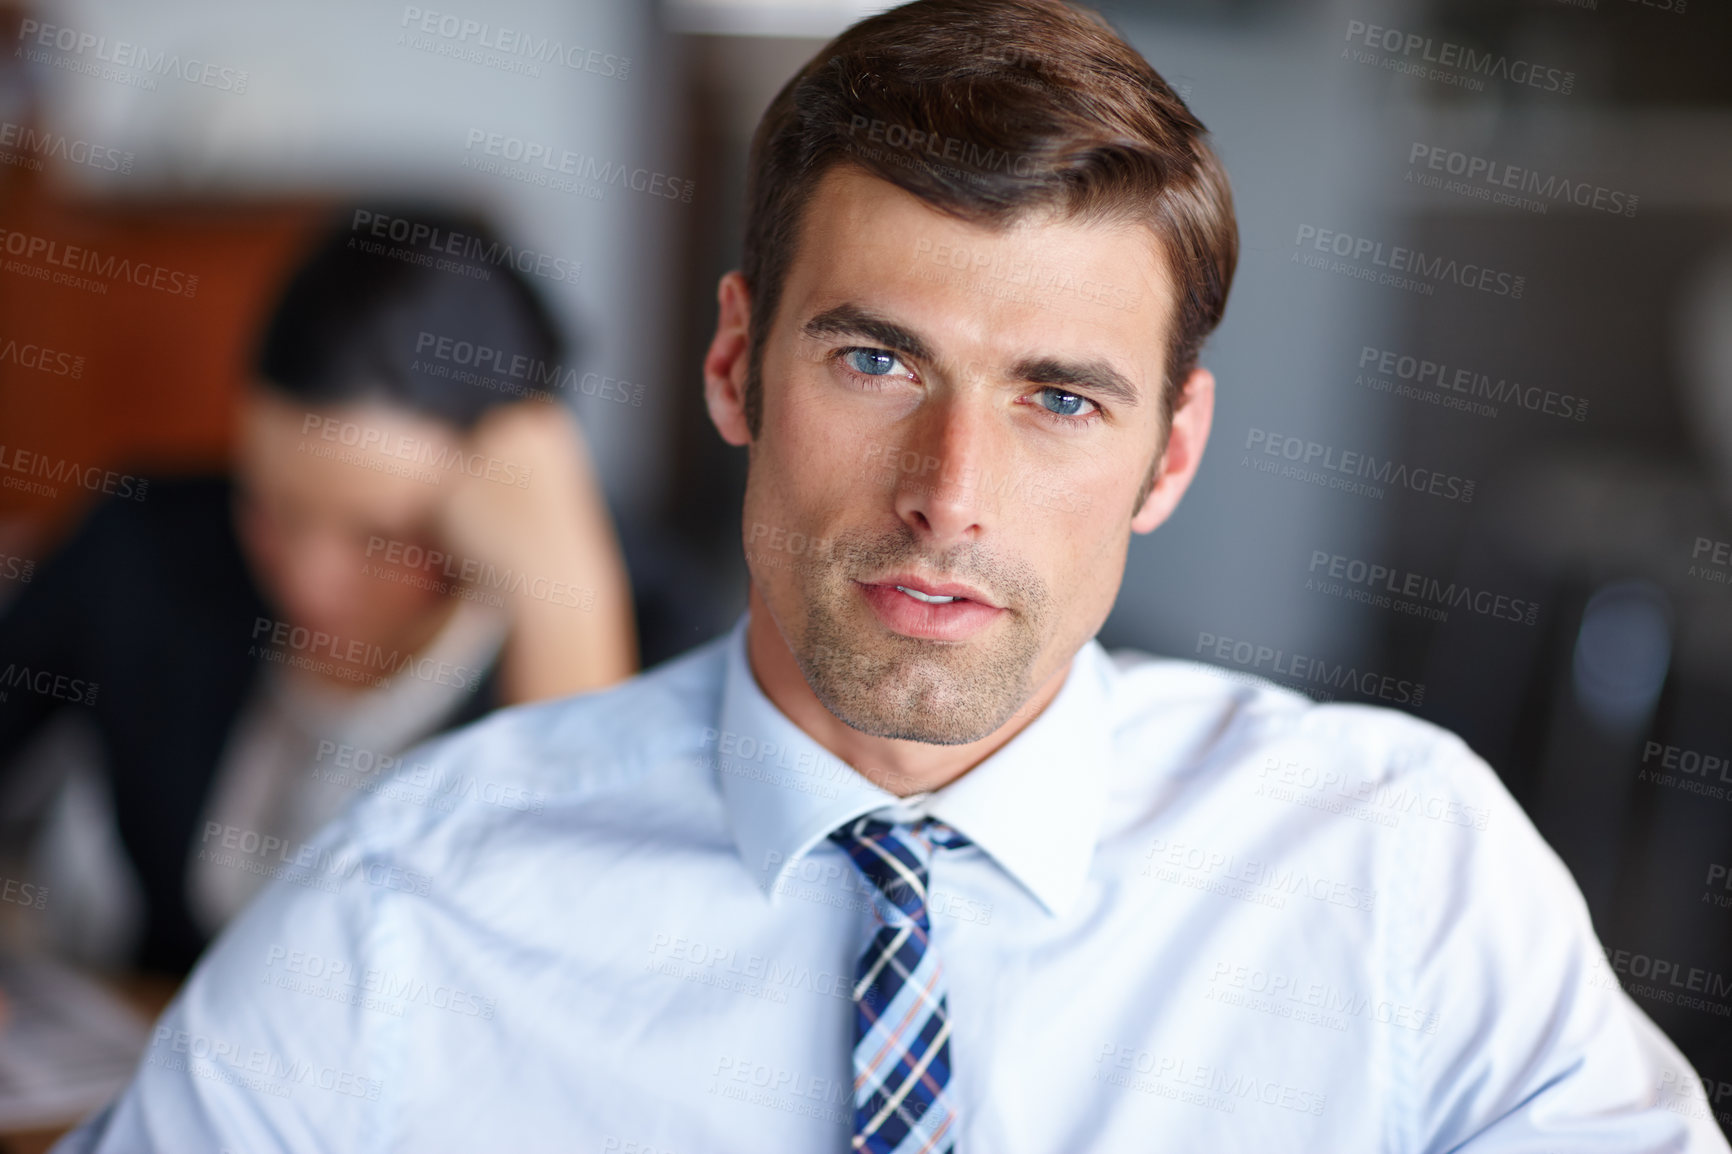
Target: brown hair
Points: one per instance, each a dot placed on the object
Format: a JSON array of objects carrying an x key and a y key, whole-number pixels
[{"x": 988, "y": 109}]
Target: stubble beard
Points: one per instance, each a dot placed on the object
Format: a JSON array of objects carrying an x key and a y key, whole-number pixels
[{"x": 905, "y": 688}]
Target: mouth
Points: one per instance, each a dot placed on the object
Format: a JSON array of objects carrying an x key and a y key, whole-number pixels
[
  {"x": 926, "y": 597},
  {"x": 933, "y": 611},
  {"x": 933, "y": 593}
]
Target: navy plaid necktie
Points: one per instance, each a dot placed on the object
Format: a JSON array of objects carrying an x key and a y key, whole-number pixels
[{"x": 901, "y": 1017}]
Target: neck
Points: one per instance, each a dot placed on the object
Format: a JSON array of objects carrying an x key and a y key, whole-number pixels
[{"x": 901, "y": 767}]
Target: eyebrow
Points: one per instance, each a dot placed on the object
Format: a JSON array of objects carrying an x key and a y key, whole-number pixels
[
  {"x": 854, "y": 321},
  {"x": 1095, "y": 376}
]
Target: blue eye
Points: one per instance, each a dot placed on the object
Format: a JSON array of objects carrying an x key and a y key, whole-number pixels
[
  {"x": 870, "y": 362},
  {"x": 1063, "y": 404}
]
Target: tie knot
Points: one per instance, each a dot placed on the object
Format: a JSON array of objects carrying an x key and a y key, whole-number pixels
[{"x": 895, "y": 856}]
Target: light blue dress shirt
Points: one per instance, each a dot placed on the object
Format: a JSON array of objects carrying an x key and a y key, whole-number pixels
[{"x": 1199, "y": 915}]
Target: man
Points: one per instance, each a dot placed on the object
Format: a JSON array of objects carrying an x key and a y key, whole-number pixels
[{"x": 907, "y": 862}]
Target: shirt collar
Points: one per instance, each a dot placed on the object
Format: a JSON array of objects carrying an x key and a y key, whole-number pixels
[{"x": 1035, "y": 805}]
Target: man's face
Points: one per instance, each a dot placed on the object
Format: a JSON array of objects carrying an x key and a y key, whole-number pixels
[{"x": 950, "y": 411}]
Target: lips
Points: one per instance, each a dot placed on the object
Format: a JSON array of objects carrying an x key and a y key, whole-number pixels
[
  {"x": 928, "y": 590},
  {"x": 919, "y": 609}
]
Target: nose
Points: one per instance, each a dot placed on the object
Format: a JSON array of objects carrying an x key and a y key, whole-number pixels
[{"x": 946, "y": 501}]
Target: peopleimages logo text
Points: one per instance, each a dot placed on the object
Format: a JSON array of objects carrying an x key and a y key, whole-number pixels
[
  {"x": 521, "y": 367},
  {"x": 515, "y": 43},
  {"x": 1387, "y": 586},
  {"x": 420, "y": 235},
  {"x": 533, "y": 154},
  {"x": 29, "y": 247},
  {"x": 1400, "y": 259},
  {"x": 124, "y": 54},
  {"x": 28, "y": 463},
  {"x": 1309, "y": 670},
  {"x": 42, "y": 142},
  {"x": 1497, "y": 175},
  {"x": 40, "y": 358},
  {"x": 1442, "y": 377},
  {"x": 1385, "y": 471},
  {"x": 1447, "y": 54}
]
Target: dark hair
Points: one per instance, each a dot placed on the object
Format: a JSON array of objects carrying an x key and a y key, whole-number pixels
[
  {"x": 1002, "y": 106},
  {"x": 362, "y": 318}
]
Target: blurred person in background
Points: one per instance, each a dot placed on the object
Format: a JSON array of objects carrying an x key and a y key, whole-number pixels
[{"x": 401, "y": 548}]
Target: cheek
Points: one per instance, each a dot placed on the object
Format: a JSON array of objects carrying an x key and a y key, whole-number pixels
[
  {"x": 267, "y": 548},
  {"x": 1083, "y": 562},
  {"x": 803, "y": 482},
  {"x": 769, "y": 510},
  {"x": 822, "y": 437},
  {"x": 1104, "y": 576}
]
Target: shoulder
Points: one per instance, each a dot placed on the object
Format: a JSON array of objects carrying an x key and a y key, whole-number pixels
[
  {"x": 1400, "y": 802},
  {"x": 491, "y": 826},
  {"x": 192, "y": 504},
  {"x": 169, "y": 543},
  {"x": 1177, "y": 720},
  {"x": 528, "y": 763},
  {"x": 147, "y": 522}
]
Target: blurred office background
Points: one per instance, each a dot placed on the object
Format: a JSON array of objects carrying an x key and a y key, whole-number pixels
[{"x": 1599, "y": 446}]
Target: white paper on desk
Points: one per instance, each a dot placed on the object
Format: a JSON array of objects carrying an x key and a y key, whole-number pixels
[{"x": 67, "y": 1045}]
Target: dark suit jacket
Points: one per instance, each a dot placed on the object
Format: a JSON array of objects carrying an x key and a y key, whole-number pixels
[{"x": 151, "y": 601}]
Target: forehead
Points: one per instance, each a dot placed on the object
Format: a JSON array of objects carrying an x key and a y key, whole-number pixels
[
  {"x": 366, "y": 463},
  {"x": 1041, "y": 283}
]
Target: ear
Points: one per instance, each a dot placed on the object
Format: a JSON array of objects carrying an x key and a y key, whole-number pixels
[
  {"x": 725, "y": 364},
  {"x": 1184, "y": 451}
]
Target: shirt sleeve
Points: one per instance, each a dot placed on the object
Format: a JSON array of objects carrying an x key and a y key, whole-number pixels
[
  {"x": 269, "y": 1046},
  {"x": 1529, "y": 1045}
]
